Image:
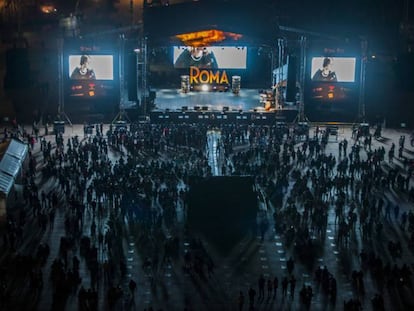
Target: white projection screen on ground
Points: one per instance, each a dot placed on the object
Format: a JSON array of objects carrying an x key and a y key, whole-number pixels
[
  {"x": 333, "y": 69},
  {"x": 91, "y": 67},
  {"x": 212, "y": 57}
]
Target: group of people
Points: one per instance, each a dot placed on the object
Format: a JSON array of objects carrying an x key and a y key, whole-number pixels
[{"x": 135, "y": 182}]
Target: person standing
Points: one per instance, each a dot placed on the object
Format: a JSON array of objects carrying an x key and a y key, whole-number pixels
[
  {"x": 252, "y": 294},
  {"x": 285, "y": 283},
  {"x": 241, "y": 300},
  {"x": 275, "y": 285},
  {"x": 292, "y": 286},
  {"x": 83, "y": 72},
  {"x": 261, "y": 283},
  {"x": 325, "y": 73},
  {"x": 269, "y": 288}
]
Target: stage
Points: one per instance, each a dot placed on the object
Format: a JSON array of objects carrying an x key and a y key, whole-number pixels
[{"x": 175, "y": 99}]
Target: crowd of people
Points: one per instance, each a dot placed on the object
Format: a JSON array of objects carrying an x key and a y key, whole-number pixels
[{"x": 134, "y": 181}]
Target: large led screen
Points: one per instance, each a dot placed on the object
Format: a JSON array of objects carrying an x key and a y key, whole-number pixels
[
  {"x": 91, "y": 67},
  {"x": 212, "y": 57},
  {"x": 333, "y": 69}
]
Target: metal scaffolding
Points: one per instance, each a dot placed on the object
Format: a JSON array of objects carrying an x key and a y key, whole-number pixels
[
  {"x": 361, "y": 103},
  {"x": 302, "y": 76},
  {"x": 281, "y": 45},
  {"x": 122, "y": 115},
  {"x": 142, "y": 74}
]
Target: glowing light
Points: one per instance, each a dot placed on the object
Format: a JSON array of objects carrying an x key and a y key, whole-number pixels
[
  {"x": 206, "y": 37},
  {"x": 48, "y": 9},
  {"x": 204, "y": 87}
]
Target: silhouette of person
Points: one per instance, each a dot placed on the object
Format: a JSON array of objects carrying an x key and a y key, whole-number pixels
[
  {"x": 199, "y": 57},
  {"x": 83, "y": 72},
  {"x": 325, "y": 73}
]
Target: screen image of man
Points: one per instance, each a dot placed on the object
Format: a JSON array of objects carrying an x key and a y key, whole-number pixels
[
  {"x": 325, "y": 73},
  {"x": 199, "y": 57},
  {"x": 83, "y": 72}
]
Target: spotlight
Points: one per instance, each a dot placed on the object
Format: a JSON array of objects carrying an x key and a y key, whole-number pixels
[{"x": 204, "y": 87}]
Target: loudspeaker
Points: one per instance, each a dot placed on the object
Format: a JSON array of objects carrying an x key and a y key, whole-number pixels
[
  {"x": 184, "y": 108},
  {"x": 291, "y": 79},
  {"x": 131, "y": 76},
  {"x": 204, "y": 108},
  {"x": 225, "y": 108},
  {"x": 58, "y": 127},
  {"x": 197, "y": 108},
  {"x": 235, "y": 84}
]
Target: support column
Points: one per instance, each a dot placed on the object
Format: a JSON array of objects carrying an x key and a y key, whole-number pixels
[
  {"x": 142, "y": 60},
  {"x": 361, "y": 103},
  {"x": 61, "y": 95}
]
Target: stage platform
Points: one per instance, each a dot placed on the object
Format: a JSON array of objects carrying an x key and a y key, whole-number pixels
[{"x": 175, "y": 99}]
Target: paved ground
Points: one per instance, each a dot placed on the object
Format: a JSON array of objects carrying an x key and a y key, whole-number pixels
[{"x": 173, "y": 289}]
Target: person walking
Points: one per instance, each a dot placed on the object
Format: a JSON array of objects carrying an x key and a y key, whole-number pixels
[{"x": 132, "y": 285}]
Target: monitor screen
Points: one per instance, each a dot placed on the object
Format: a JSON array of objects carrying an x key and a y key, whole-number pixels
[
  {"x": 91, "y": 67},
  {"x": 333, "y": 69},
  {"x": 212, "y": 57}
]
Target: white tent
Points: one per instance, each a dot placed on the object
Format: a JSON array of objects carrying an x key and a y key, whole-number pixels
[{"x": 11, "y": 165}]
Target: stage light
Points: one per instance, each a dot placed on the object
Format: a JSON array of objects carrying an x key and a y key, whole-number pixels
[
  {"x": 48, "y": 9},
  {"x": 137, "y": 50},
  {"x": 204, "y": 87},
  {"x": 206, "y": 37}
]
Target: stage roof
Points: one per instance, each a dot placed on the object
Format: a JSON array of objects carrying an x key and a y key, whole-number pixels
[{"x": 255, "y": 22}]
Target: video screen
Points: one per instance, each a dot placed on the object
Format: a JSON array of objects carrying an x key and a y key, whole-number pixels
[
  {"x": 91, "y": 67},
  {"x": 333, "y": 69},
  {"x": 211, "y": 57}
]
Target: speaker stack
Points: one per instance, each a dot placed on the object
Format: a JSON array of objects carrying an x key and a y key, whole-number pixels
[
  {"x": 131, "y": 76},
  {"x": 291, "y": 79},
  {"x": 185, "y": 83},
  {"x": 235, "y": 84},
  {"x": 58, "y": 127}
]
